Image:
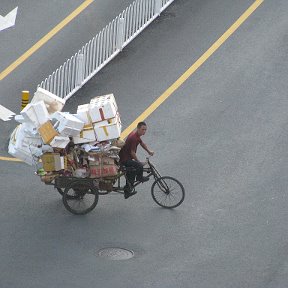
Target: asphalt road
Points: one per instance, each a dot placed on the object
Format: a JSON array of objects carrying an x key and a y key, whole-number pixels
[
  {"x": 222, "y": 134},
  {"x": 35, "y": 19}
]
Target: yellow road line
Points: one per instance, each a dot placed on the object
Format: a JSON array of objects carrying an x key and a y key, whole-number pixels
[
  {"x": 43, "y": 40},
  {"x": 188, "y": 72},
  {"x": 193, "y": 68},
  {"x": 10, "y": 159}
]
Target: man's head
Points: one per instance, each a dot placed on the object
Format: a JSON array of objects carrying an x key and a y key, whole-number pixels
[{"x": 141, "y": 128}]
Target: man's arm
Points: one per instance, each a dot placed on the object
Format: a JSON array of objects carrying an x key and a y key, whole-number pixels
[
  {"x": 134, "y": 156},
  {"x": 144, "y": 146}
]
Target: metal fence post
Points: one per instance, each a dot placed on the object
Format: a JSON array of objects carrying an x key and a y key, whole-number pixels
[
  {"x": 158, "y": 6},
  {"x": 107, "y": 44},
  {"x": 120, "y": 33},
  {"x": 79, "y": 69}
]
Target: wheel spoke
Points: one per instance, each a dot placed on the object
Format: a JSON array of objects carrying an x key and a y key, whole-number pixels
[
  {"x": 168, "y": 192},
  {"x": 80, "y": 197}
]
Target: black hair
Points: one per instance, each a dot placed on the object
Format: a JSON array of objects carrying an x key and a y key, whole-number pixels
[{"x": 140, "y": 124}]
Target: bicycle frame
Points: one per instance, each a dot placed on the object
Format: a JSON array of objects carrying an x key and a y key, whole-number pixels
[{"x": 151, "y": 170}]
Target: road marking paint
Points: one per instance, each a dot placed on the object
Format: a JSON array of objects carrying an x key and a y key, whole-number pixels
[
  {"x": 6, "y": 114},
  {"x": 9, "y": 20},
  {"x": 193, "y": 68},
  {"x": 10, "y": 159},
  {"x": 186, "y": 74},
  {"x": 43, "y": 40}
]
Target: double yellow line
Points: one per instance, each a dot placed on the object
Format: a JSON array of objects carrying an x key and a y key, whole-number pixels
[{"x": 187, "y": 73}]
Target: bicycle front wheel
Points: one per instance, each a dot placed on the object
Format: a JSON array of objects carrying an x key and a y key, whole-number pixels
[
  {"x": 168, "y": 192},
  {"x": 80, "y": 197}
]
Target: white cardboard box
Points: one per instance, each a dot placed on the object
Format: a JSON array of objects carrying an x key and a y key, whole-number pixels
[
  {"x": 87, "y": 135},
  {"x": 22, "y": 145},
  {"x": 20, "y": 119},
  {"x": 67, "y": 131},
  {"x": 108, "y": 131},
  {"x": 36, "y": 113},
  {"x": 83, "y": 114},
  {"x": 102, "y": 108},
  {"x": 59, "y": 142},
  {"x": 52, "y": 102},
  {"x": 30, "y": 129},
  {"x": 108, "y": 96},
  {"x": 67, "y": 124}
]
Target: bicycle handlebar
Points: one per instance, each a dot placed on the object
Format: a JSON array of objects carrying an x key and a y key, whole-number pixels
[{"x": 148, "y": 159}]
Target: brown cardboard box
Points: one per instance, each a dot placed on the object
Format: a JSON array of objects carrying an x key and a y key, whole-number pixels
[
  {"x": 107, "y": 161},
  {"x": 52, "y": 162},
  {"x": 47, "y": 132},
  {"x": 94, "y": 158},
  {"x": 103, "y": 171},
  {"x": 97, "y": 159}
]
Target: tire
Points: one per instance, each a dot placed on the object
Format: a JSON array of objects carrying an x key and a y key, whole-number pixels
[
  {"x": 80, "y": 197},
  {"x": 168, "y": 192},
  {"x": 61, "y": 192}
]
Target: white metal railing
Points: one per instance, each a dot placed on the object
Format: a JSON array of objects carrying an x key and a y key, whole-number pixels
[{"x": 94, "y": 55}]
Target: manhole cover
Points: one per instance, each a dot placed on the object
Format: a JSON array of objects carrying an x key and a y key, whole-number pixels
[{"x": 116, "y": 253}]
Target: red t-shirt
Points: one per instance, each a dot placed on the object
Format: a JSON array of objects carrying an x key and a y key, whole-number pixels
[{"x": 131, "y": 144}]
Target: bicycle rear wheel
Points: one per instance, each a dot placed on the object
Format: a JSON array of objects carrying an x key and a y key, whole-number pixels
[
  {"x": 61, "y": 192},
  {"x": 80, "y": 197},
  {"x": 61, "y": 183},
  {"x": 168, "y": 192}
]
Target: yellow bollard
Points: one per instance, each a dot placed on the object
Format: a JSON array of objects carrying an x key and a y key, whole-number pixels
[{"x": 25, "y": 99}]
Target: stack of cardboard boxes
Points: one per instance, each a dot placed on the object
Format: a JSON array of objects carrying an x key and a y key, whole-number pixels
[{"x": 84, "y": 144}]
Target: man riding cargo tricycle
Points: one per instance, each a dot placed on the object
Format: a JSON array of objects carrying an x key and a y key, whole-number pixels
[
  {"x": 82, "y": 154},
  {"x": 80, "y": 194}
]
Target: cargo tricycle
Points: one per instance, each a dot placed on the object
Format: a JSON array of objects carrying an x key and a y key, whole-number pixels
[{"x": 80, "y": 195}]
